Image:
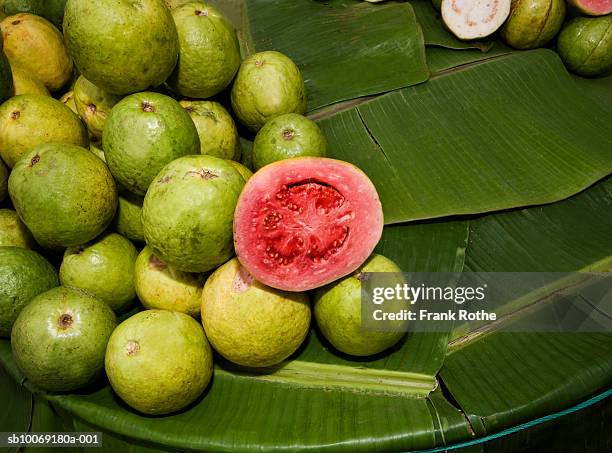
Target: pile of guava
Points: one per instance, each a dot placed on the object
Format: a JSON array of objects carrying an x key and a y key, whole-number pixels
[
  {"x": 583, "y": 30},
  {"x": 127, "y": 193}
]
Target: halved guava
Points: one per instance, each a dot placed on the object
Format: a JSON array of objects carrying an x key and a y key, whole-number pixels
[
  {"x": 473, "y": 19},
  {"x": 592, "y": 7},
  {"x": 304, "y": 222}
]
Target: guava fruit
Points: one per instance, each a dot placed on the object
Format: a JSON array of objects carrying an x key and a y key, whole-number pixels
[
  {"x": 246, "y": 157},
  {"x": 121, "y": 46},
  {"x": 249, "y": 323},
  {"x": 337, "y": 309},
  {"x": 287, "y": 136},
  {"x": 176, "y": 3},
  {"x": 585, "y": 45},
  {"x": 205, "y": 35},
  {"x": 188, "y": 212},
  {"x": 59, "y": 338},
  {"x": 159, "y": 285},
  {"x": 473, "y": 19},
  {"x": 52, "y": 10},
  {"x": 304, "y": 222},
  {"x": 533, "y": 23},
  {"x": 13, "y": 232},
  {"x": 216, "y": 129},
  {"x": 68, "y": 100},
  {"x": 144, "y": 132},
  {"x": 104, "y": 267},
  {"x": 4, "y": 175},
  {"x": 96, "y": 148},
  {"x": 29, "y": 120},
  {"x": 268, "y": 84},
  {"x": 64, "y": 194},
  {"x": 159, "y": 361},
  {"x": 244, "y": 172},
  {"x": 24, "y": 274},
  {"x": 6, "y": 78},
  {"x": 93, "y": 104},
  {"x": 591, "y": 7},
  {"x": 34, "y": 44},
  {"x": 128, "y": 218},
  {"x": 24, "y": 83}
]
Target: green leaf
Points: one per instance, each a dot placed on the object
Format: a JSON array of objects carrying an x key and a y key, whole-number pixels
[
  {"x": 16, "y": 411},
  {"x": 535, "y": 149},
  {"x": 598, "y": 88},
  {"x": 344, "y": 48},
  {"x": 435, "y": 32},
  {"x": 440, "y": 59}
]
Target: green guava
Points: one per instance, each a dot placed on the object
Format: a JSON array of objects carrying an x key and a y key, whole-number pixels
[
  {"x": 128, "y": 219},
  {"x": 34, "y": 44},
  {"x": 6, "y": 78},
  {"x": 93, "y": 104},
  {"x": 337, "y": 309},
  {"x": 24, "y": 274},
  {"x": 52, "y": 10},
  {"x": 96, "y": 148},
  {"x": 4, "y": 175},
  {"x": 24, "y": 83},
  {"x": 59, "y": 339},
  {"x": 533, "y": 23},
  {"x": 159, "y": 361},
  {"x": 585, "y": 45},
  {"x": 188, "y": 212},
  {"x": 176, "y": 3},
  {"x": 287, "y": 136},
  {"x": 216, "y": 129},
  {"x": 205, "y": 35},
  {"x": 144, "y": 132},
  {"x": 159, "y": 285},
  {"x": 29, "y": 120},
  {"x": 268, "y": 84},
  {"x": 249, "y": 323},
  {"x": 121, "y": 46},
  {"x": 246, "y": 157},
  {"x": 244, "y": 172},
  {"x": 13, "y": 231},
  {"x": 64, "y": 194},
  {"x": 68, "y": 100},
  {"x": 104, "y": 267}
]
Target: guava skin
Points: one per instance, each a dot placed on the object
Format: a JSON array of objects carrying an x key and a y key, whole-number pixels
[
  {"x": 156, "y": 372},
  {"x": 305, "y": 222},
  {"x": 591, "y": 7},
  {"x": 205, "y": 35},
  {"x": 52, "y": 10},
  {"x": 533, "y": 23},
  {"x": 30, "y": 120},
  {"x": 244, "y": 172},
  {"x": 288, "y": 136},
  {"x": 4, "y": 175},
  {"x": 24, "y": 274},
  {"x": 128, "y": 218},
  {"x": 104, "y": 267},
  {"x": 59, "y": 339},
  {"x": 144, "y": 132},
  {"x": 249, "y": 323},
  {"x": 6, "y": 78},
  {"x": 585, "y": 45},
  {"x": 160, "y": 286},
  {"x": 188, "y": 212},
  {"x": 68, "y": 100},
  {"x": 93, "y": 104},
  {"x": 13, "y": 232},
  {"x": 96, "y": 149},
  {"x": 64, "y": 194},
  {"x": 34, "y": 44},
  {"x": 337, "y": 309},
  {"x": 268, "y": 84},
  {"x": 25, "y": 83},
  {"x": 216, "y": 129},
  {"x": 145, "y": 55}
]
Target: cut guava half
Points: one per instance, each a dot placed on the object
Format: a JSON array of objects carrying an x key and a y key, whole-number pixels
[
  {"x": 304, "y": 222},
  {"x": 592, "y": 7},
  {"x": 473, "y": 19}
]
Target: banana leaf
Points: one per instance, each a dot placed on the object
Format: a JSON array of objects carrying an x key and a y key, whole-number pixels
[
  {"x": 344, "y": 48},
  {"x": 599, "y": 89},
  {"x": 535, "y": 149},
  {"x": 499, "y": 377},
  {"x": 440, "y": 59},
  {"x": 436, "y": 34},
  {"x": 16, "y": 414}
]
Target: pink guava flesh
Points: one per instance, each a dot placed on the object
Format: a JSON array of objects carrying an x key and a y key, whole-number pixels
[
  {"x": 302, "y": 223},
  {"x": 593, "y": 7}
]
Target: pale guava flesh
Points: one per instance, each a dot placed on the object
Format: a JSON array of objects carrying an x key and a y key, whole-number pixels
[
  {"x": 304, "y": 222},
  {"x": 473, "y": 19}
]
